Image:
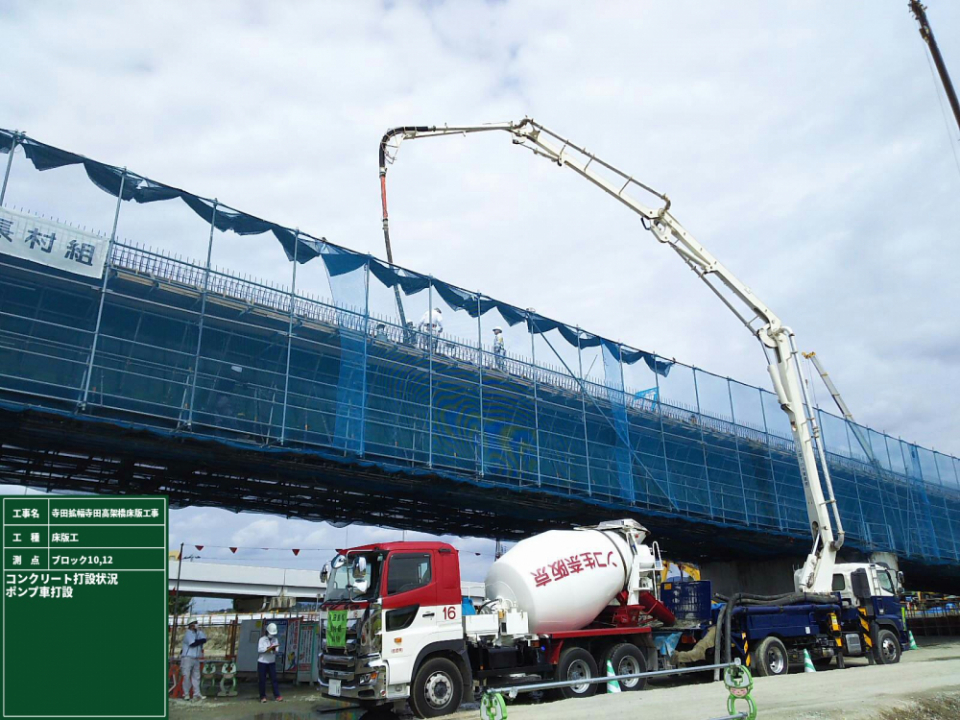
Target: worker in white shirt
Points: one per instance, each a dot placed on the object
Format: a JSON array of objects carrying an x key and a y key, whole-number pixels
[
  {"x": 499, "y": 349},
  {"x": 191, "y": 654},
  {"x": 431, "y": 324},
  {"x": 267, "y": 663}
]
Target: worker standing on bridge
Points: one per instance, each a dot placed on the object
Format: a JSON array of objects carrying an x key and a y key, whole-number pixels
[
  {"x": 499, "y": 349},
  {"x": 431, "y": 327},
  {"x": 191, "y": 655},
  {"x": 267, "y": 663}
]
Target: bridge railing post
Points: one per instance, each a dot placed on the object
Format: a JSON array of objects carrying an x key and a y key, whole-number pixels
[
  {"x": 430, "y": 341},
  {"x": 366, "y": 343},
  {"x": 6, "y": 175},
  {"x": 107, "y": 268},
  {"x": 290, "y": 321},
  {"x": 773, "y": 474},
  {"x": 536, "y": 395},
  {"x": 736, "y": 444},
  {"x": 203, "y": 311},
  {"x": 583, "y": 411},
  {"x": 480, "y": 374},
  {"x": 703, "y": 446},
  {"x": 671, "y": 499}
]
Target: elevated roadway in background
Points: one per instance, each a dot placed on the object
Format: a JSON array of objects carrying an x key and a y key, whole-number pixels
[
  {"x": 207, "y": 579},
  {"x": 164, "y": 376}
]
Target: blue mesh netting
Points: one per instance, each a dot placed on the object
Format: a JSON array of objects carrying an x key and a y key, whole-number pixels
[{"x": 359, "y": 383}]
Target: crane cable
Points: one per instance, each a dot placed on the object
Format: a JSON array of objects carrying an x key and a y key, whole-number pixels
[{"x": 943, "y": 111}]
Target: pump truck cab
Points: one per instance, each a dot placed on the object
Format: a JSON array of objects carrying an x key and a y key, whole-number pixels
[{"x": 558, "y": 606}]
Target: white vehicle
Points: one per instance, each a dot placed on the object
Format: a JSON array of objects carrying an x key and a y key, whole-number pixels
[{"x": 559, "y": 605}]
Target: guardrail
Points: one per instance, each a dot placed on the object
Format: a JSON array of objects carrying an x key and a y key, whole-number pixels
[{"x": 736, "y": 677}]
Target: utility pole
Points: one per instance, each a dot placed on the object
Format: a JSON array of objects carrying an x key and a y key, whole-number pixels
[{"x": 920, "y": 12}]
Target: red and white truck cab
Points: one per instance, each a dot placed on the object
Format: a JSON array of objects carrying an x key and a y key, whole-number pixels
[{"x": 559, "y": 605}]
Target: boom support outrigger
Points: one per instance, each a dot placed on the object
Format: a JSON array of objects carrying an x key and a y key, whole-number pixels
[{"x": 776, "y": 339}]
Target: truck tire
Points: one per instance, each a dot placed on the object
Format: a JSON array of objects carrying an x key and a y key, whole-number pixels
[
  {"x": 770, "y": 658},
  {"x": 627, "y": 659},
  {"x": 576, "y": 663},
  {"x": 437, "y": 688},
  {"x": 888, "y": 647}
]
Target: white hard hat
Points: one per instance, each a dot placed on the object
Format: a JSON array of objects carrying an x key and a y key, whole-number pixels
[
  {"x": 498, "y": 329},
  {"x": 272, "y": 629}
]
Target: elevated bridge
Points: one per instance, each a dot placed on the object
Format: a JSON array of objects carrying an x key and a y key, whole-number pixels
[{"x": 126, "y": 370}]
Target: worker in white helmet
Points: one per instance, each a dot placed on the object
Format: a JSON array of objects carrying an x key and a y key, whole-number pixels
[
  {"x": 499, "y": 349},
  {"x": 191, "y": 655},
  {"x": 431, "y": 327},
  {"x": 267, "y": 663}
]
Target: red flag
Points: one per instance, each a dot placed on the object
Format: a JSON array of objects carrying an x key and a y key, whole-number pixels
[
  {"x": 233, "y": 550},
  {"x": 199, "y": 547},
  {"x": 296, "y": 551}
]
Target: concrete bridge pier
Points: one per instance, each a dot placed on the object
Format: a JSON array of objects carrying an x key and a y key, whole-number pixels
[{"x": 759, "y": 577}]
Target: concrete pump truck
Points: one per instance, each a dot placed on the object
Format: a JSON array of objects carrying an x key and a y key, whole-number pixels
[{"x": 559, "y": 605}]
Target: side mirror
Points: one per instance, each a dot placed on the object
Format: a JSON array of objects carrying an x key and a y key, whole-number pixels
[
  {"x": 900, "y": 580},
  {"x": 359, "y": 568},
  {"x": 325, "y": 574}
]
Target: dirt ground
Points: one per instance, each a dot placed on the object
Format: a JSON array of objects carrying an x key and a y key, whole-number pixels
[{"x": 924, "y": 686}]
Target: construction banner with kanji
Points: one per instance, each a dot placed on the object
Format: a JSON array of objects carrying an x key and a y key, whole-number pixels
[{"x": 52, "y": 243}]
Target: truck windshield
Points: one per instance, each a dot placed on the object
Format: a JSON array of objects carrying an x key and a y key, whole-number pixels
[{"x": 342, "y": 584}]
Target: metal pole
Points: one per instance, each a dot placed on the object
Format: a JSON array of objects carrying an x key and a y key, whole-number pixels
[
  {"x": 203, "y": 310},
  {"x": 430, "y": 371},
  {"x": 103, "y": 294},
  {"x": 176, "y": 596},
  {"x": 663, "y": 436},
  {"x": 536, "y": 398},
  {"x": 293, "y": 310},
  {"x": 926, "y": 33},
  {"x": 703, "y": 446},
  {"x": 6, "y": 175},
  {"x": 366, "y": 340},
  {"x": 736, "y": 443},
  {"x": 480, "y": 372},
  {"x": 626, "y": 414},
  {"x": 773, "y": 474},
  {"x": 583, "y": 407}
]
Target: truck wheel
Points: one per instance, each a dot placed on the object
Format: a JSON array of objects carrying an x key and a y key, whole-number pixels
[
  {"x": 627, "y": 659},
  {"x": 888, "y": 647},
  {"x": 576, "y": 664},
  {"x": 770, "y": 658},
  {"x": 437, "y": 688}
]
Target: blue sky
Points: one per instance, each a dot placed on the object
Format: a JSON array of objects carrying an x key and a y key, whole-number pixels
[{"x": 803, "y": 143}]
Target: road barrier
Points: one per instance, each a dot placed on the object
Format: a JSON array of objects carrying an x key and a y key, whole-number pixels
[{"x": 736, "y": 678}]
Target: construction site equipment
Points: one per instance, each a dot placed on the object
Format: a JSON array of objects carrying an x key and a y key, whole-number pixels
[{"x": 776, "y": 339}]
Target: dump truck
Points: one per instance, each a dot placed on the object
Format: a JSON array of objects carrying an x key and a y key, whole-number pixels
[{"x": 559, "y": 606}]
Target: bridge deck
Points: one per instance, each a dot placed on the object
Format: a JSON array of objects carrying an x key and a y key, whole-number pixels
[{"x": 390, "y": 430}]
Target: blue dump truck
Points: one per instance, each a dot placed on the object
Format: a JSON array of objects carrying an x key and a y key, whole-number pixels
[{"x": 862, "y": 617}]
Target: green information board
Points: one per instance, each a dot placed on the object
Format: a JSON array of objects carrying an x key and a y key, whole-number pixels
[
  {"x": 337, "y": 628},
  {"x": 84, "y": 607}
]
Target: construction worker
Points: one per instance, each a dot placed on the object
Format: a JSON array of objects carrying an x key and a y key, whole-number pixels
[
  {"x": 191, "y": 654},
  {"x": 267, "y": 663},
  {"x": 381, "y": 332},
  {"x": 499, "y": 349},
  {"x": 431, "y": 324}
]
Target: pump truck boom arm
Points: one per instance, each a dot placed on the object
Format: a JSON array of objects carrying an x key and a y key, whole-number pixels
[{"x": 776, "y": 339}]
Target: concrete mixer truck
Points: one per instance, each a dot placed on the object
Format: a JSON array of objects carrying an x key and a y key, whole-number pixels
[{"x": 558, "y": 606}]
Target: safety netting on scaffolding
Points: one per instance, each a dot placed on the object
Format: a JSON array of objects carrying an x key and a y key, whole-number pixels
[{"x": 408, "y": 371}]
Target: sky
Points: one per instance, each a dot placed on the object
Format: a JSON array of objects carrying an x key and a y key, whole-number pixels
[{"x": 804, "y": 144}]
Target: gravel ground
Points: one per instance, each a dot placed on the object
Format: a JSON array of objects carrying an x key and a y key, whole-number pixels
[{"x": 924, "y": 686}]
